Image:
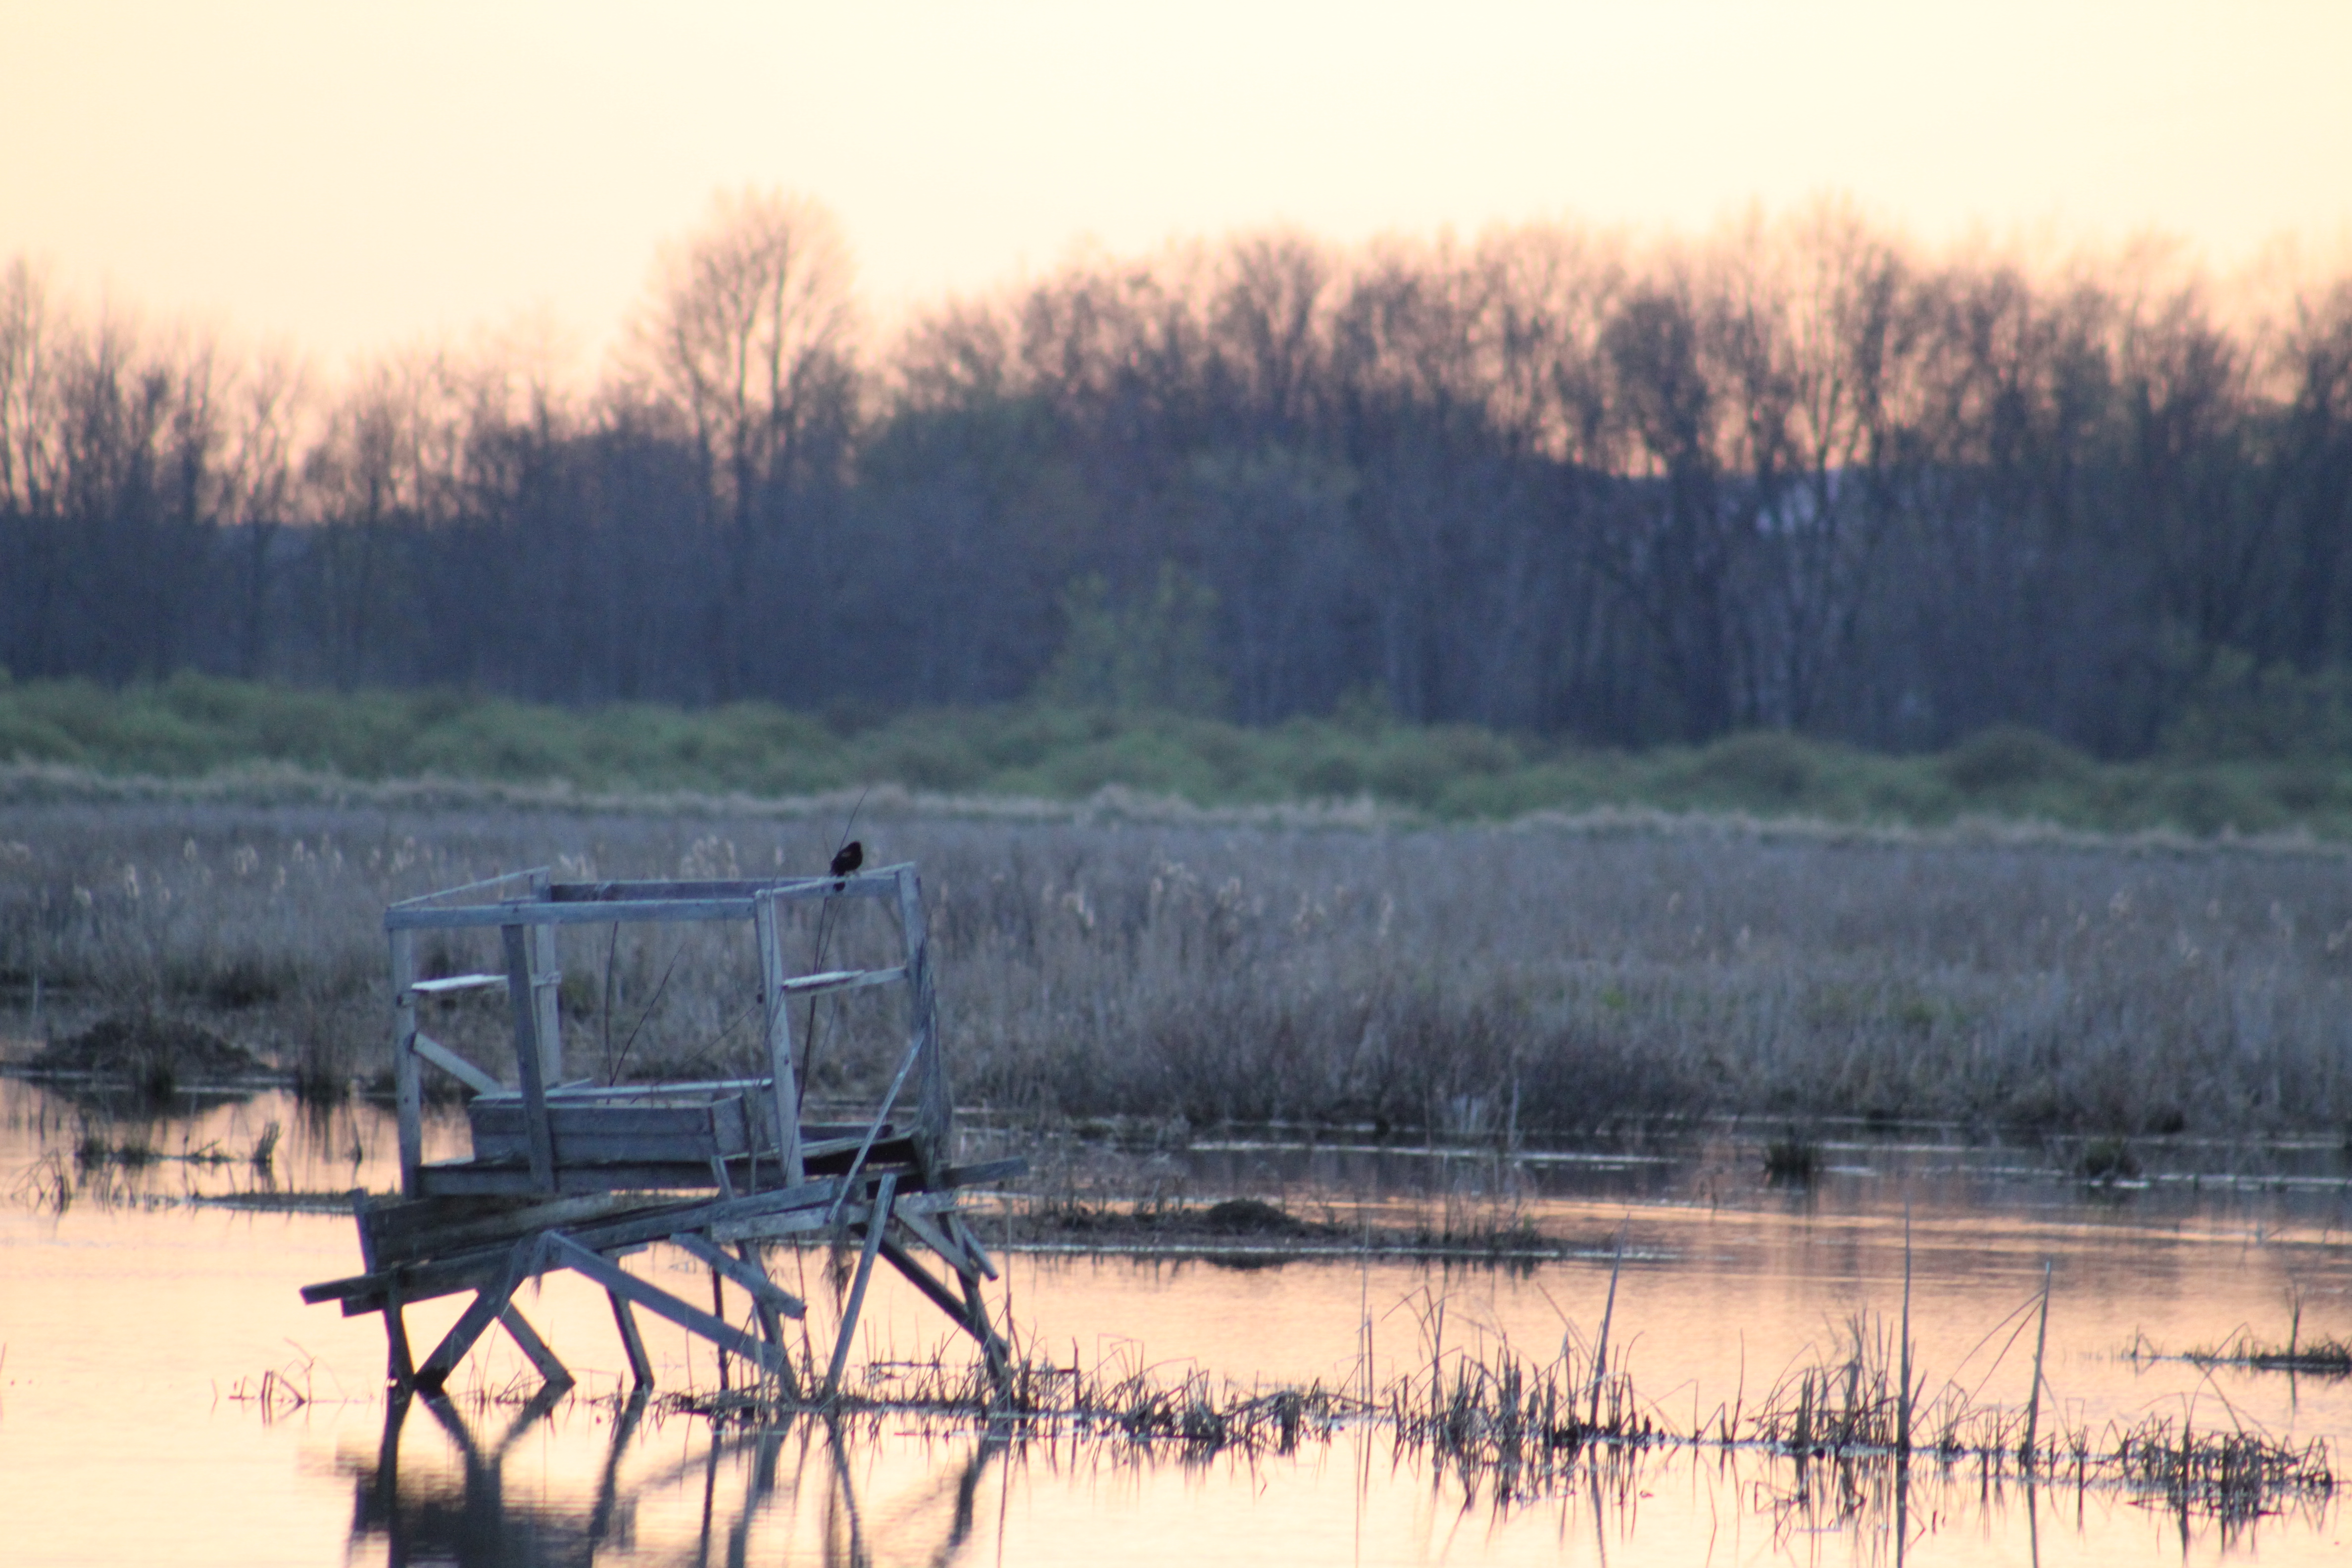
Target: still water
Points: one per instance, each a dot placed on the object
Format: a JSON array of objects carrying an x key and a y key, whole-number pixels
[{"x": 164, "y": 1394}]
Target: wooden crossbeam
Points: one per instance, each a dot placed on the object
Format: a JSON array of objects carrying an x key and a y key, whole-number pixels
[
  {"x": 527, "y": 1340},
  {"x": 456, "y": 1066},
  {"x": 755, "y": 1283},
  {"x": 566, "y": 1253}
]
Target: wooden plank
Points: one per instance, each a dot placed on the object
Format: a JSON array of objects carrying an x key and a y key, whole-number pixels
[
  {"x": 982, "y": 1174},
  {"x": 500, "y": 881},
  {"x": 784, "y": 1087},
  {"x": 907, "y": 1264},
  {"x": 455, "y": 983},
  {"x": 876, "y": 882},
  {"x": 527, "y": 1340},
  {"x": 842, "y": 980},
  {"x": 488, "y": 1181},
  {"x": 758, "y": 1285},
  {"x": 598, "y": 1150},
  {"x": 408, "y": 1091},
  {"x": 934, "y": 1113},
  {"x": 959, "y": 1227},
  {"x": 877, "y": 1221},
  {"x": 472, "y": 916},
  {"x": 521, "y": 999},
  {"x": 567, "y": 1253},
  {"x": 769, "y": 1228},
  {"x": 444, "y": 1275},
  {"x": 921, "y": 1227},
  {"x": 451, "y": 1062},
  {"x": 405, "y": 1232},
  {"x": 633, "y": 1343},
  {"x": 683, "y": 1091},
  {"x": 866, "y": 1145},
  {"x": 547, "y": 982},
  {"x": 640, "y": 901},
  {"x": 506, "y": 1115},
  {"x": 958, "y": 1313}
]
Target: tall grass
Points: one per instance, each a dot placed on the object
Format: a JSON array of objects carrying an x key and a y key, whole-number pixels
[{"x": 1284, "y": 967}]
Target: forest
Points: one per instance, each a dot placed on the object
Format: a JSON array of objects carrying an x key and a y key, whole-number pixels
[{"x": 1804, "y": 474}]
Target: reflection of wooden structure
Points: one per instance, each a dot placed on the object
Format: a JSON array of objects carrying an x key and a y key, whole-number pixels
[
  {"x": 418, "y": 1513},
  {"x": 576, "y": 1174}
]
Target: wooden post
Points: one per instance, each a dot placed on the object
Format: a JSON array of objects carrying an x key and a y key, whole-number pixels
[
  {"x": 933, "y": 1114},
  {"x": 521, "y": 997},
  {"x": 547, "y": 980},
  {"x": 641, "y": 1366},
  {"x": 875, "y": 1223},
  {"x": 408, "y": 1092},
  {"x": 784, "y": 1112}
]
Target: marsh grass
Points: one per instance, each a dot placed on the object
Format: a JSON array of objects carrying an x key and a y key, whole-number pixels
[
  {"x": 1162, "y": 970},
  {"x": 1519, "y": 1428}
]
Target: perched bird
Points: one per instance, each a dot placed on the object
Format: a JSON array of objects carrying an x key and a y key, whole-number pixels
[{"x": 852, "y": 856}]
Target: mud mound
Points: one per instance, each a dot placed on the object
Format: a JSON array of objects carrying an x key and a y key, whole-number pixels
[
  {"x": 141, "y": 1048},
  {"x": 1252, "y": 1217}
]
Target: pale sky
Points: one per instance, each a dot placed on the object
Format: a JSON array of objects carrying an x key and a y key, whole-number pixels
[{"x": 350, "y": 177}]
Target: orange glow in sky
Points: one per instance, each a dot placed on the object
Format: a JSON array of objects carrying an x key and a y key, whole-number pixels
[{"x": 350, "y": 177}]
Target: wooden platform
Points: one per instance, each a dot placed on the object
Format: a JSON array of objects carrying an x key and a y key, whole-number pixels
[{"x": 578, "y": 1175}]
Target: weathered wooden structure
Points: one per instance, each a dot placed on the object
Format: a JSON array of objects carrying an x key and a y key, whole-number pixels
[{"x": 577, "y": 1174}]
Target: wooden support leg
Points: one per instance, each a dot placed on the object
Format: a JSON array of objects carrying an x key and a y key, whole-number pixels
[
  {"x": 884, "y": 1193},
  {"x": 641, "y": 1366},
  {"x": 718, "y": 1311},
  {"x": 970, "y": 1314},
  {"x": 489, "y": 1304},
  {"x": 565, "y": 1253},
  {"x": 526, "y": 1338},
  {"x": 992, "y": 1346},
  {"x": 402, "y": 1368},
  {"x": 771, "y": 1320},
  {"x": 961, "y": 1230}
]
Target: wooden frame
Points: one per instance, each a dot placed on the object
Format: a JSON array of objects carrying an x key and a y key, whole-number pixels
[{"x": 577, "y": 1175}]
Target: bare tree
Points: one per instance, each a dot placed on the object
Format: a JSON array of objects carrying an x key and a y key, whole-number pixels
[{"x": 748, "y": 337}]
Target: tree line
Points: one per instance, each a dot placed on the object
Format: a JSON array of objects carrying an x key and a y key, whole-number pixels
[{"x": 1804, "y": 474}]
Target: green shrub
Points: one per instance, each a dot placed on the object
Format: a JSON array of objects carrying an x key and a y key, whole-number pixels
[
  {"x": 2010, "y": 757},
  {"x": 1769, "y": 765}
]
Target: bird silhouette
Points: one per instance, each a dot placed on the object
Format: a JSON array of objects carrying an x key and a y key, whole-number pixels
[{"x": 852, "y": 856}]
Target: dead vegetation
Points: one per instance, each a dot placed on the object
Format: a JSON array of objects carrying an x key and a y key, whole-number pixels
[{"x": 1468, "y": 984}]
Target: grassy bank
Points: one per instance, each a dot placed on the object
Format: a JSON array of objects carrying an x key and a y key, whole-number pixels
[
  {"x": 1553, "y": 974},
  {"x": 193, "y": 727}
]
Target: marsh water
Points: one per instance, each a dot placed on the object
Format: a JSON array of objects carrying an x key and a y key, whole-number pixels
[{"x": 165, "y": 1395}]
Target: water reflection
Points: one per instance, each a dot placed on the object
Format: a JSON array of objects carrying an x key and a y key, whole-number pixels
[
  {"x": 856, "y": 1492},
  {"x": 423, "y": 1512},
  {"x": 1726, "y": 1284}
]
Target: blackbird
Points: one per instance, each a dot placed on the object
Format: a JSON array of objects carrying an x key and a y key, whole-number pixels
[{"x": 852, "y": 856}]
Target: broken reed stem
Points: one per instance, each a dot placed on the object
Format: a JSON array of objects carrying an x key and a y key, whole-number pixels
[
  {"x": 1903, "y": 1393},
  {"x": 1600, "y": 1351},
  {"x": 2033, "y": 1400}
]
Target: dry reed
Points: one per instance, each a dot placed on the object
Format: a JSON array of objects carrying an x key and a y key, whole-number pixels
[{"x": 1460, "y": 982}]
